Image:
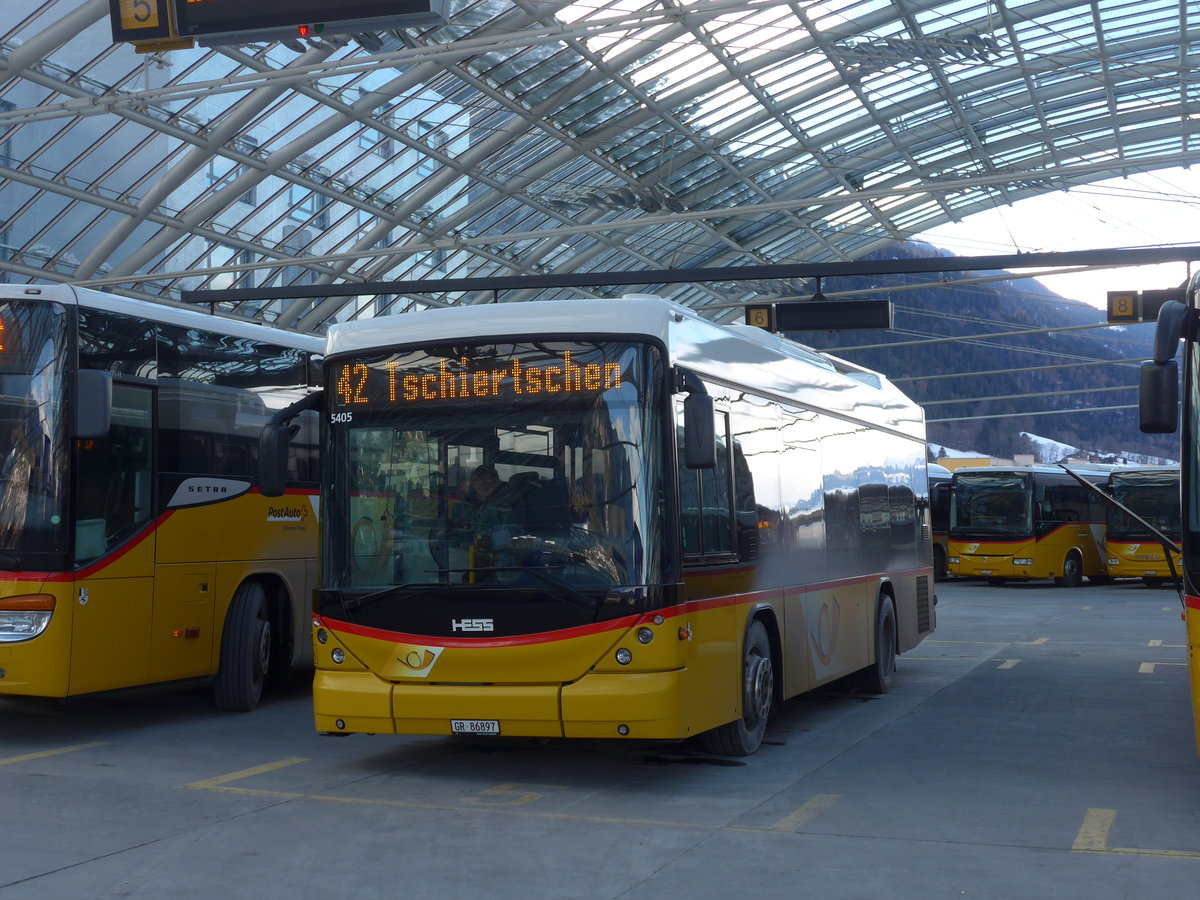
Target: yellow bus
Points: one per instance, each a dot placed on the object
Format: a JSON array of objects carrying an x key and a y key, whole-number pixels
[
  {"x": 1026, "y": 522},
  {"x": 606, "y": 519},
  {"x": 1152, "y": 492},
  {"x": 939, "y": 516},
  {"x": 135, "y": 547}
]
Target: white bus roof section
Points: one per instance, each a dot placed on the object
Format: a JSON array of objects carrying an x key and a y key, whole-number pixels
[
  {"x": 748, "y": 358},
  {"x": 528, "y": 137},
  {"x": 160, "y": 312}
]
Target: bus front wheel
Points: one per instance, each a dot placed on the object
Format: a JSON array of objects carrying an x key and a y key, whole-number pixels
[
  {"x": 1072, "y": 571},
  {"x": 245, "y": 650},
  {"x": 877, "y": 677},
  {"x": 744, "y": 736}
]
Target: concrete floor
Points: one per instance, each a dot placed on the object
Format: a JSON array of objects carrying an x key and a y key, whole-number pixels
[{"x": 1039, "y": 745}]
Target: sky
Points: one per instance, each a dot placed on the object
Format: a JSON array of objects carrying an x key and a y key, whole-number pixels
[{"x": 1145, "y": 210}]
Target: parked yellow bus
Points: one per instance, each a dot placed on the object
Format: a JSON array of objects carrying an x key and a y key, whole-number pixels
[
  {"x": 1026, "y": 522},
  {"x": 1152, "y": 492},
  {"x": 607, "y": 519},
  {"x": 135, "y": 547}
]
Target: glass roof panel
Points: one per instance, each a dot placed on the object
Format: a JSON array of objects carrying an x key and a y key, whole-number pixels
[{"x": 529, "y": 137}]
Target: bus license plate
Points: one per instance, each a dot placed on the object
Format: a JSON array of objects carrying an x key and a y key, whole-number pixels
[{"x": 475, "y": 726}]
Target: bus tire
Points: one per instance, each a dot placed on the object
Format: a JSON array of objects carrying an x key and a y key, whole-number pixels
[
  {"x": 940, "y": 571},
  {"x": 877, "y": 677},
  {"x": 245, "y": 650},
  {"x": 1072, "y": 571},
  {"x": 744, "y": 736}
]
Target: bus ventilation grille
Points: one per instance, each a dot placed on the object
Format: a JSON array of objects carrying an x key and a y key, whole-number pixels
[{"x": 923, "y": 617}]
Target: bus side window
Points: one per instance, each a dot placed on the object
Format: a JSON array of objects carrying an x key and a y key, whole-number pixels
[
  {"x": 705, "y": 502},
  {"x": 113, "y": 476}
]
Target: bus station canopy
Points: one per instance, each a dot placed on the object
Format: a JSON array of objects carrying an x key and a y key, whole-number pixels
[{"x": 535, "y": 137}]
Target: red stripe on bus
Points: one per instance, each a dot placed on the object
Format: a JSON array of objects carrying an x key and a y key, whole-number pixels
[
  {"x": 148, "y": 529},
  {"x": 623, "y": 623},
  {"x": 1192, "y": 602}
]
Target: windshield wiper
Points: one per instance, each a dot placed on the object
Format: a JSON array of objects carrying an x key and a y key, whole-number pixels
[{"x": 355, "y": 603}]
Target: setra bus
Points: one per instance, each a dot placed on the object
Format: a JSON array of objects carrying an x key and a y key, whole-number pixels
[
  {"x": 1026, "y": 522},
  {"x": 135, "y": 547},
  {"x": 1160, "y": 412},
  {"x": 1148, "y": 495},
  {"x": 606, "y": 519}
]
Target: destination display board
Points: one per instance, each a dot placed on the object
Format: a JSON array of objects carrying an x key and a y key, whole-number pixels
[{"x": 478, "y": 375}]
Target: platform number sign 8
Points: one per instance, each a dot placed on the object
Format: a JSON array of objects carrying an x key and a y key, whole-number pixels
[{"x": 1123, "y": 306}]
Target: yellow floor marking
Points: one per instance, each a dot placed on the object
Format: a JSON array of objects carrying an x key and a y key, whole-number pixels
[
  {"x": 1085, "y": 607},
  {"x": 1093, "y": 838},
  {"x": 223, "y": 783},
  {"x": 43, "y": 754},
  {"x": 1148, "y": 668},
  {"x": 806, "y": 813},
  {"x": 221, "y": 780},
  {"x": 1040, "y": 641},
  {"x": 1156, "y": 643},
  {"x": 1008, "y": 664},
  {"x": 1093, "y": 833}
]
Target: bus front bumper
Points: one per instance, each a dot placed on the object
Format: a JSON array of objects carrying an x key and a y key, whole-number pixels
[
  {"x": 967, "y": 566},
  {"x": 627, "y": 705}
]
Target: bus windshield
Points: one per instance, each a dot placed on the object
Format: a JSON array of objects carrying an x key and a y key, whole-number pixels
[
  {"x": 33, "y": 370},
  {"x": 1153, "y": 496},
  {"x": 990, "y": 506},
  {"x": 512, "y": 473}
]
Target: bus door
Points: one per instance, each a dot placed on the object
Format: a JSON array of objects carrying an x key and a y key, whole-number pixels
[{"x": 114, "y": 548}]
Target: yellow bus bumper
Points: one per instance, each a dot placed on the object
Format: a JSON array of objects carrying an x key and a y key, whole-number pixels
[{"x": 644, "y": 705}]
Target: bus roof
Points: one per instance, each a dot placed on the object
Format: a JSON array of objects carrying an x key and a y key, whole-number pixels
[
  {"x": 184, "y": 317},
  {"x": 734, "y": 354}
]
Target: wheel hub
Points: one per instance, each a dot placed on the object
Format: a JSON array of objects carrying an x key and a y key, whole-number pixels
[{"x": 760, "y": 685}]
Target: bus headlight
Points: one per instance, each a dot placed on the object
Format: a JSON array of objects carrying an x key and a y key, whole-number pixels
[
  {"x": 1022, "y": 562},
  {"x": 624, "y": 657},
  {"x": 1113, "y": 562},
  {"x": 23, "y": 618},
  {"x": 953, "y": 560}
]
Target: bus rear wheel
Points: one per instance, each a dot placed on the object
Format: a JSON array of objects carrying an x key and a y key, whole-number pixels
[
  {"x": 877, "y": 677},
  {"x": 1072, "y": 571},
  {"x": 245, "y": 650},
  {"x": 744, "y": 736}
]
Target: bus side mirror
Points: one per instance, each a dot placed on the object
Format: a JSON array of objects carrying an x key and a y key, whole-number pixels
[
  {"x": 1168, "y": 331},
  {"x": 93, "y": 403},
  {"x": 699, "y": 432},
  {"x": 273, "y": 459},
  {"x": 1158, "y": 397}
]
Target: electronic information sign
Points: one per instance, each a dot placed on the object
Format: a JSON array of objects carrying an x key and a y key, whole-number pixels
[
  {"x": 417, "y": 379},
  {"x": 209, "y": 20}
]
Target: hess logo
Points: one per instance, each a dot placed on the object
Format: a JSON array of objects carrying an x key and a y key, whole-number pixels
[{"x": 471, "y": 625}]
